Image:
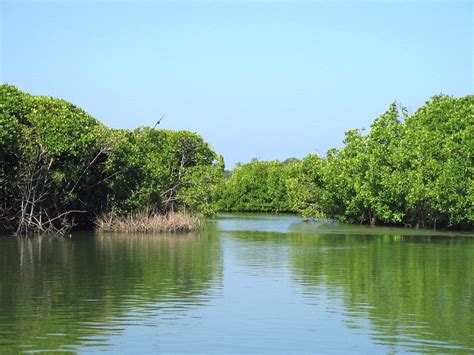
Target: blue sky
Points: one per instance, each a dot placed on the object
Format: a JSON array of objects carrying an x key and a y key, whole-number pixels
[{"x": 265, "y": 79}]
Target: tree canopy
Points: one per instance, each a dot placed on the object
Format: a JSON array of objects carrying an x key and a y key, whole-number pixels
[
  {"x": 411, "y": 170},
  {"x": 60, "y": 167}
]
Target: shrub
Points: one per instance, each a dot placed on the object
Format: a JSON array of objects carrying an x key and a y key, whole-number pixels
[
  {"x": 59, "y": 167},
  {"x": 259, "y": 186},
  {"x": 51, "y": 159},
  {"x": 147, "y": 221}
]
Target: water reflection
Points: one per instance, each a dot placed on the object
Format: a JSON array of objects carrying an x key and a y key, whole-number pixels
[
  {"x": 405, "y": 289},
  {"x": 416, "y": 291},
  {"x": 246, "y": 283},
  {"x": 59, "y": 293}
]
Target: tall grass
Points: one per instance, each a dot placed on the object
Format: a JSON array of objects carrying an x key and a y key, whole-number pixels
[{"x": 147, "y": 221}]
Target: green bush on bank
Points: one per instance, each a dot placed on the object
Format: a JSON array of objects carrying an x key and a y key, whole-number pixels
[
  {"x": 258, "y": 186},
  {"x": 47, "y": 146},
  {"x": 60, "y": 167},
  {"x": 413, "y": 170},
  {"x": 409, "y": 170},
  {"x": 165, "y": 169}
]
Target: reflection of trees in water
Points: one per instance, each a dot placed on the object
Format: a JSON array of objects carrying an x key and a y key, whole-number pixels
[
  {"x": 259, "y": 253},
  {"x": 80, "y": 288},
  {"x": 415, "y": 288}
]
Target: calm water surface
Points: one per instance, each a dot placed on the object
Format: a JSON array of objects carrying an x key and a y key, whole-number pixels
[{"x": 246, "y": 283}]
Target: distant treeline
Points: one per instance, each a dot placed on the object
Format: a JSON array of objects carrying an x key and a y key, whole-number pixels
[
  {"x": 60, "y": 167},
  {"x": 409, "y": 170}
]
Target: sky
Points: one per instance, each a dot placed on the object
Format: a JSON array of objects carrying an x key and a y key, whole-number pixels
[{"x": 257, "y": 79}]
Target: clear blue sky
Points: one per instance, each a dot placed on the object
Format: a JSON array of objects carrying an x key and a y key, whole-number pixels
[{"x": 256, "y": 79}]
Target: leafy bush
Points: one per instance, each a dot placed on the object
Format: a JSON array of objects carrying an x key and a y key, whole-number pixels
[
  {"x": 60, "y": 167},
  {"x": 258, "y": 186},
  {"x": 165, "y": 169},
  {"x": 50, "y": 163},
  {"x": 412, "y": 170}
]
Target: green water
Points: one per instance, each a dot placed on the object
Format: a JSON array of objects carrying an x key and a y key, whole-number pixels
[{"x": 245, "y": 283}]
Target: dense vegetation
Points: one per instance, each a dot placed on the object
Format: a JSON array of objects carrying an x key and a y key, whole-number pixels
[
  {"x": 59, "y": 167},
  {"x": 411, "y": 170},
  {"x": 259, "y": 186}
]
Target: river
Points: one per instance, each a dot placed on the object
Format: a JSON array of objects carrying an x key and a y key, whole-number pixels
[{"x": 244, "y": 283}]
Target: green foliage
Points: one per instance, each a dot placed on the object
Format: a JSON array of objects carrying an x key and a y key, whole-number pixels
[
  {"x": 59, "y": 167},
  {"x": 50, "y": 160},
  {"x": 304, "y": 186},
  {"x": 408, "y": 170},
  {"x": 438, "y": 160},
  {"x": 258, "y": 186},
  {"x": 164, "y": 169},
  {"x": 13, "y": 107},
  {"x": 201, "y": 187},
  {"x": 59, "y": 164},
  {"x": 413, "y": 170}
]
